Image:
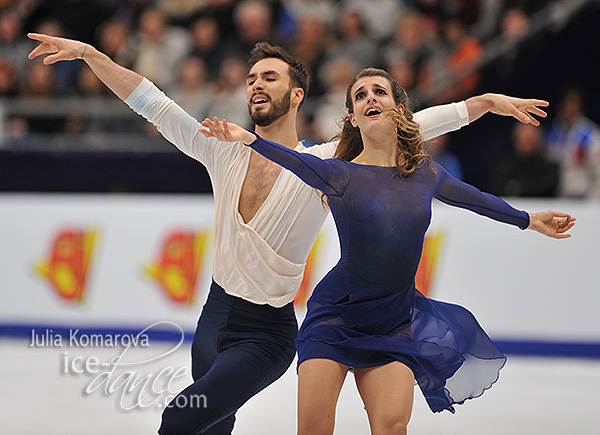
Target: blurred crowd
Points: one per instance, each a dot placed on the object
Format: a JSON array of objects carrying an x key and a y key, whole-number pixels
[{"x": 197, "y": 52}]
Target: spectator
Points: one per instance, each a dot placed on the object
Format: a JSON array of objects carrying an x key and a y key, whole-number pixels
[
  {"x": 13, "y": 48},
  {"x": 8, "y": 79},
  {"x": 228, "y": 99},
  {"x": 527, "y": 171},
  {"x": 514, "y": 27},
  {"x": 40, "y": 82},
  {"x": 130, "y": 11},
  {"x": 40, "y": 86},
  {"x": 515, "y": 24},
  {"x": 353, "y": 42},
  {"x": 253, "y": 22},
  {"x": 379, "y": 15},
  {"x": 322, "y": 9},
  {"x": 574, "y": 142},
  {"x": 329, "y": 109},
  {"x": 182, "y": 13},
  {"x": 403, "y": 72},
  {"x": 453, "y": 72},
  {"x": 310, "y": 48},
  {"x": 114, "y": 38},
  {"x": 411, "y": 43},
  {"x": 65, "y": 73},
  {"x": 159, "y": 48},
  {"x": 206, "y": 45},
  {"x": 192, "y": 91},
  {"x": 95, "y": 94}
]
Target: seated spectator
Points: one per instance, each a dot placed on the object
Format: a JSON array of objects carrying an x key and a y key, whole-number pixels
[
  {"x": 13, "y": 47},
  {"x": 206, "y": 41},
  {"x": 228, "y": 98},
  {"x": 65, "y": 73},
  {"x": 40, "y": 86},
  {"x": 410, "y": 43},
  {"x": 8, "y": 79},
  {"x": 253, "y": 22},
  {"x": 159, "y": 48},
  {"x": 403, "y": 72},
  {"x": 527, "y": 171},
  {"x": 379, "y": 15},
  {"x": 353, "y": 43},
  {"x": 113, "y": 39},
  {"x": 453, "y": 71},
  {"x": 192, "y": 91},
  {"x": 329, "y": 109},
  {"x": 574, "y": 142},
  {"x": 310, "y": 48}
]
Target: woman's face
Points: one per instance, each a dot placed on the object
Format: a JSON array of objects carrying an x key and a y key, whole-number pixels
[{"x": 370, "y": 97}]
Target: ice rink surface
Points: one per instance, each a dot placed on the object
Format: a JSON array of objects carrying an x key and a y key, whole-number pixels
[{"x": 44, "y": 392}]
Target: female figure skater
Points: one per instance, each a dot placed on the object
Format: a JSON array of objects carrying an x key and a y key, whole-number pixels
[{"x": 366, "y": 313}]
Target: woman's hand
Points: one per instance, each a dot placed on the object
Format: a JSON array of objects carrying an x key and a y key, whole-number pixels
[
  {"x": 551, "y": 223},
  {"x": 226, "y": 132}
]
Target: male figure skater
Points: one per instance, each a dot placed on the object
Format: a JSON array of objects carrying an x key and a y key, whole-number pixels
[{"x": 266, "y": 221}]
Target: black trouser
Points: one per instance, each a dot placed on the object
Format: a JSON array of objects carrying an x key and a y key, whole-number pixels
[{"x": 239, "y": 348}]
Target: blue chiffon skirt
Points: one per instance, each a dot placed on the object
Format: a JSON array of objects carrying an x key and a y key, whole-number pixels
[{"x": 361, "y": 324}]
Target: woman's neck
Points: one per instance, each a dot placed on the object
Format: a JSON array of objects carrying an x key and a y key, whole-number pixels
[{"x": 378, "y": 150}]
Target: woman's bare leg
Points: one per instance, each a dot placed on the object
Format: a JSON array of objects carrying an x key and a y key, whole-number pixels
[
  {"x": 387, "y": 392},
  {"x": 319, "y": 385}
]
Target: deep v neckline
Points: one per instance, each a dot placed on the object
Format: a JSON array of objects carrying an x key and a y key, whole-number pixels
[{"x": 240, "y": 218}]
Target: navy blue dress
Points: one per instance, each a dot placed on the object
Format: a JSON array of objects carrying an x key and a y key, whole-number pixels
[{"x": 366, "y": 311}]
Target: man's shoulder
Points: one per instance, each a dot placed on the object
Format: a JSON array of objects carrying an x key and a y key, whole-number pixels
[{"x": 324, "y": 150}]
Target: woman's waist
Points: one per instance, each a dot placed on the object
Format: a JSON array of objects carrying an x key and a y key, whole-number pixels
[
  {"x": 394, "y": 275},
  {"x": 341, "y": 284}
]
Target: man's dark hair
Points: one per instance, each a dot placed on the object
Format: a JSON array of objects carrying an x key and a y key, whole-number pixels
[{"x": 298, "y": 75}]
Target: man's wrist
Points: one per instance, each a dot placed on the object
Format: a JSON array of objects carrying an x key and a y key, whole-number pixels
[
  {"x": 479, "y": 105},
  {"x": 81, "y": 56}
]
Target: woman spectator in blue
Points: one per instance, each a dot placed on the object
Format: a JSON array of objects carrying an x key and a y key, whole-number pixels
[{"x": 366, "y": 314}]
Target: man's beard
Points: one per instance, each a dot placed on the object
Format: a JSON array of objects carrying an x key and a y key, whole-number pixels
[{"x": 278, "y": 109}]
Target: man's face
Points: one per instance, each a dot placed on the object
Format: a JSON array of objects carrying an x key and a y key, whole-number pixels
[{"x": 268, "y": 91}]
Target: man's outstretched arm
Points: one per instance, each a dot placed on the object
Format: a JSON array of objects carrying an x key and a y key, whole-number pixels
[
  {"x": 120, "y": 80},
  {"x": 522, "y": 109},
  {"x": 139, "y": 94},
  {"x": 438, "y": 120}
]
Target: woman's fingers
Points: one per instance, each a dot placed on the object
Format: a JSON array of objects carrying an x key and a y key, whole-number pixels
[{"x": 215, "y": 127}]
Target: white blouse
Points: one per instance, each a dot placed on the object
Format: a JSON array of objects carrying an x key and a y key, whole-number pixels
[{"x": 262, "y": 260}]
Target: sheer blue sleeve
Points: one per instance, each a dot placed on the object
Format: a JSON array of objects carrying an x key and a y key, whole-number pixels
[
  {"x": 330, "y": 176},
  {"x": 456, "y": 193}
]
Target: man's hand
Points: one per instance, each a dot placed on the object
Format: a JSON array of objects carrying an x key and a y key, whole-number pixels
[
  {"x": 226, "y": 132},
  {"x": 551, "y": 223},
  {"x": 58, "y": 48},
  {"x": 120, "y": 80},
  {"x": 521, "y": 109}
]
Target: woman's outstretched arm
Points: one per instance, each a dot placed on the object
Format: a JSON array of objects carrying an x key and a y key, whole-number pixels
[
  {"x": 456, "y": 193},
  {"x": 330, "y": 176}
]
